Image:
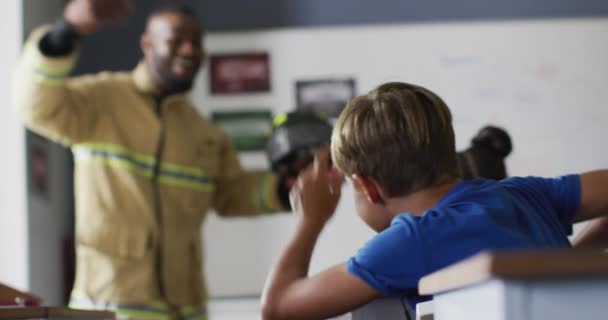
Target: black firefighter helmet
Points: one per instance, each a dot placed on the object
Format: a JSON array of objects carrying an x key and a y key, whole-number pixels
[{"x": 294, "y": 139}]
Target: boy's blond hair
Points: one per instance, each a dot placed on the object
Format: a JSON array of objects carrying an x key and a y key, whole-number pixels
[{"x": 399, "y": 135}]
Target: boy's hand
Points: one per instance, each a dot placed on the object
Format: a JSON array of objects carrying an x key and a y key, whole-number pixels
[
  {"x": 88, "y": 16},
  {"x": 317, "y": 190}
]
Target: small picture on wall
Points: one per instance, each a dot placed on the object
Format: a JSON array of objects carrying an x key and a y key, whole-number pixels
[
  {"x": 249, "y": 130},
  {"x": 38, "y": 165},
  {"x": 327, "y": 96},
  {"x": 239, "y": 73}
]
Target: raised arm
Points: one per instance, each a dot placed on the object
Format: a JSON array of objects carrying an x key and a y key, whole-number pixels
[
  {"x": 49, "y": 102},
  {"x": 242, "y": 192},
  {"x": 289, "y": 292}
]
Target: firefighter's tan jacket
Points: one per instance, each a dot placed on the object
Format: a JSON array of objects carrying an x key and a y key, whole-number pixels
[{"x": 138, "y": 223}]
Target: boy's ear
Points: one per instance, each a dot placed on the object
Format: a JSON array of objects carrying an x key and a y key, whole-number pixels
[{"x": 370, "y": 188}]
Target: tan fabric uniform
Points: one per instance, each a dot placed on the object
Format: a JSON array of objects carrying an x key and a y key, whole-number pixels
[{"x": 138, "y": 225}]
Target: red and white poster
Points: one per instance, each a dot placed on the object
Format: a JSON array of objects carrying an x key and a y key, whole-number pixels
[
  {"x": 239, "y": 73},
  {"x": 38, "y": 167}
]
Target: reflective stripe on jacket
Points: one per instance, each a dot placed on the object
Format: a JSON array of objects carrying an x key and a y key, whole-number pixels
[
  {"x": 153, "y": 310},
  {"x": 146, "y": 173}
]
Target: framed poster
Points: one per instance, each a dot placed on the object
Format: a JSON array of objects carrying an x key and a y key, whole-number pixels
[
  {"x": 39, "y": 166},
  {"x": 327, "y": 96},
  {"x": 249, "y": 130},
  {"x": 239, "y": 73}
]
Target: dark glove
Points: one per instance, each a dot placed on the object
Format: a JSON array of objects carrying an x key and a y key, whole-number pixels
[{"x": 60, "y": 41}]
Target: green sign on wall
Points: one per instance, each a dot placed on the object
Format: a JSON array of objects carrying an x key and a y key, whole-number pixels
[{"x": 249, "y": 130}]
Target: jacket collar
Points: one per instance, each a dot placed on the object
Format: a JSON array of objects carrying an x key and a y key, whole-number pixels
[{"x": 146, "y": 85}]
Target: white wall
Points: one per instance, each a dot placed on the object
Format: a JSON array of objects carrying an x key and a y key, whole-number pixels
[
  {"x": 49, "y": 214},
  {"x": 544, "y": 81},
  {"x": 31, "y": 226},
  {"x": 13, "y": 216},
  {"x": 49, "y": 223}
]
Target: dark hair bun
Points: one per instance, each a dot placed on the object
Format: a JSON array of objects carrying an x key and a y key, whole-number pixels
[{"x": 494, "y": 138}]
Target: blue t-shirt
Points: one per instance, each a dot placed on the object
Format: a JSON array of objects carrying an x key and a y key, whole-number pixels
[{"x": 515, "y": 213}]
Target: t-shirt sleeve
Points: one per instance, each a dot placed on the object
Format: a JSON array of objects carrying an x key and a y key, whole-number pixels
[
  {"x": 392, "y": 262},
  {"x": 563, "y": 193}
]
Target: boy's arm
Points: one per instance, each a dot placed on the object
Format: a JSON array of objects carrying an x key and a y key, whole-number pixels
[
  {"x": 595, "y": 235},
  {"x": 594, "y": 196},
  {"x": 289, "y": 292}
]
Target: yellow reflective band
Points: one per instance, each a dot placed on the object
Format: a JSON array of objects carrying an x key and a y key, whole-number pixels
[
  {"x": 40, "y": 72},
  {"x": 155, "y": 310},
  {"x": 131, "y": 313},
  {"x": 264, "y": 194},
  {"x": 119, "y": 163},
  {"x": 119, "y": 156},
  {"x": 182, "y": 169},
  {"x": 79, "y": 306},
  {"x": 194, "y": 313},
  {"x": 141, "y": 314},
  {"x": 114, "y": 148},
  {"x": 46, "y": 80},
  {"x": 279, "y": 119},
  {"x": 52, "y": 67},
  {"x": 56, "y": 71},
  {"x": 200, "y": 186}
]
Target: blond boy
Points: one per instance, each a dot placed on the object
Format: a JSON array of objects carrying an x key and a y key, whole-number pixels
[{"x": 396, "y": 146}]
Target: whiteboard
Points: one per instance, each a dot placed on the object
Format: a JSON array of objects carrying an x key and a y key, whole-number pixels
[{"x": 545, "y": 81}]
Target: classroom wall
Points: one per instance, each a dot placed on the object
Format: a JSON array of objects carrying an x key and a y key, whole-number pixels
[
  {"x": 13, "y": 216},
  {"x": 49, "y": 212},
  {"x": 543, "y": 80},
  {"x": 235, "y": 15}
]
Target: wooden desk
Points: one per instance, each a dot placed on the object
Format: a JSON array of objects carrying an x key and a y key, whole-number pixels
[
  {"x": 53, "y": 313},
  {"x": 552, "y": 284}
]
